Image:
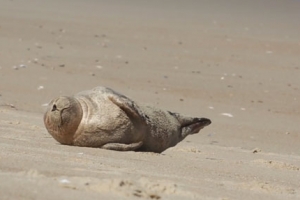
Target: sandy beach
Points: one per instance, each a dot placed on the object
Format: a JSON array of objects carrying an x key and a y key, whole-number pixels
[{"x": 234, "y": 62}]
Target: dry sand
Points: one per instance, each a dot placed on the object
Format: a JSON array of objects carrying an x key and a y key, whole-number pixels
[{"x": 235, "y": 62}]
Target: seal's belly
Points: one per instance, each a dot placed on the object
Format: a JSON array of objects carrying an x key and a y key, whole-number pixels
[{"x": 105, "y": 121}]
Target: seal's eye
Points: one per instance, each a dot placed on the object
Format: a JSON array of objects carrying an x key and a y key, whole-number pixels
[{"x": 54, "y": 108}]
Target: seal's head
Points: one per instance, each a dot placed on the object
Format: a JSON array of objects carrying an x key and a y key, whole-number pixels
[{"x": 62, "y": 118}]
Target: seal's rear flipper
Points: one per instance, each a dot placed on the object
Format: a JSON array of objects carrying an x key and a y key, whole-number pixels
[{"x": 194, "y": 125}]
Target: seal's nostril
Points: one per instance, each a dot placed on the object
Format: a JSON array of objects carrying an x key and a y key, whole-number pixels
[{"x": 54, "y": 108}]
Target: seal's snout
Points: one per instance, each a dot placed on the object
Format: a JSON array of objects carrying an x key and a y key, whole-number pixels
[
  {"x": 62, "y": 118},
  {"x": 54, "y": 107}
]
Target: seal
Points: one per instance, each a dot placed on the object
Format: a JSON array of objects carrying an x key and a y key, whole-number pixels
[{"x": 104, "y": 118}]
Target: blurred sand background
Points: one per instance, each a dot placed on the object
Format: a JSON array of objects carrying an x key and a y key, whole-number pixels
[{"x": 235, "y": 62}]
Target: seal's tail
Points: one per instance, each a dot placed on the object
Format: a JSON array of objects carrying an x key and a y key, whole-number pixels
[
  {"x": 190, "y": 125},
  {"x": 193, "y": 125}
]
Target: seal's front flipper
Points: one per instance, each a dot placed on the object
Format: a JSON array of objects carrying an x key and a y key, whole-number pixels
[
  {"x": 193, "y": 125},
  {"x": 130, "y": 108},
  {"x": 122, "y": 147}
]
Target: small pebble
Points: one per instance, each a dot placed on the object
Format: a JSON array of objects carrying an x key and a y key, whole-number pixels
[
  {"x": 64, "y": 181},
  {"x": 227, "y": 114},
  {"x": 40, "y": 87},
  {"x": 256, "y": 150}
]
